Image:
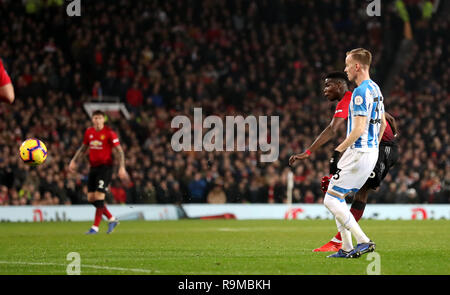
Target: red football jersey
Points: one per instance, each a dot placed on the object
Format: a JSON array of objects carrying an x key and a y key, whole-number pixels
[
  {"x": 100, "y": 145},
  {"x": 4, "y": 78},
  {"x": 342, "y": 112},
  {"x": 342, "y": 106}
]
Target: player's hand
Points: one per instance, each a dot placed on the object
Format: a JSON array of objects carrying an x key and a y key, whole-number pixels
[
  {"x": 294, "y": 158},
  {"x": 72, "y": 167},
  {"x": 333, "y": 162},
  {"x": 123, "y": 175}
]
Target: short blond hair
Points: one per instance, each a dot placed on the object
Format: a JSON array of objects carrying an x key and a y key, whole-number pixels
[{"x": 361, "y": 55}]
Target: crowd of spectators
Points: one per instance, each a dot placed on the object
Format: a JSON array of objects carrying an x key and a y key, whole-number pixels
[{"x": 163, "y": 58}]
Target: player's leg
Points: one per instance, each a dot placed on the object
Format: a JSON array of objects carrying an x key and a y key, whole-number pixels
[
  {"x": 100, "y": 201},
  {"x": 92, "y": 180},
  {"x": 98, "y": 204},
  {"x": 335, "y": 244},
  {"x": 98, "y": 180},
  {"x": 346, "y": 221},
  {"x": 359, "y": 202},
  {"x": 108, "y": 214},
  {"x": 387, "y": 157},
  {"x": 347, "y": 244},
  {"x": 357, "y": 210},
  {"x": 355, "y": 167},
  {"x": 342, "y": 183},
  {"x": 100, "y": 195},
  {"x": 337, "y": 206}
]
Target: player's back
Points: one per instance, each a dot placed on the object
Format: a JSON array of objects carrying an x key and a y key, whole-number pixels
[{"x": 366, "y": 101}]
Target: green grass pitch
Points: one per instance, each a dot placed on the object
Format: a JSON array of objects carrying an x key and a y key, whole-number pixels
[{"x": 189, "y": 247}]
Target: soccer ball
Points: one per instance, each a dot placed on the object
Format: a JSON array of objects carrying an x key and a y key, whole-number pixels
[{"x": 33, "y": 152}]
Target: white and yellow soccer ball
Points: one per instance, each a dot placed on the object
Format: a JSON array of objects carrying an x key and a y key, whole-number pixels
[{"x": 33, "y": 152}]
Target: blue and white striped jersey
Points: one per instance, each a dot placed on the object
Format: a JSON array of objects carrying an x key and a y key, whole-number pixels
[{"x": 366, "y": 101}]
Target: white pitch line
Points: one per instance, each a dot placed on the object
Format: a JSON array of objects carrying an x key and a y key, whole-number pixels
[{"x": 82, "y": 265}]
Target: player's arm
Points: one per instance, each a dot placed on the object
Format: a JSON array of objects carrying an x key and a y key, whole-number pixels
[
  {"x": 73, "y": 162},
  {"x": 382, "y": 127},
  {"x": 360, "y": 124},
  {"x": 328, "y": 133},
  {"x": 7, "y": 93},
  {"x": 359, "y": 127},
  {"x": 6, "y": 87},
  {"x": 358, "y": 130},
  {"x": 392, "y": 123},
  {"x": 120, "y": 155}
]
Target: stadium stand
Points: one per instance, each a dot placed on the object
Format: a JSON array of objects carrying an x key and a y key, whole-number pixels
[{"x": 163, "y": 58}]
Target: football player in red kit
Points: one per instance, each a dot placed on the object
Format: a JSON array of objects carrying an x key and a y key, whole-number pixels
[
  {"x": 336, "y": 88},
  {"x": 101, "y": 141},
  {"x": 6, "y": 88}
]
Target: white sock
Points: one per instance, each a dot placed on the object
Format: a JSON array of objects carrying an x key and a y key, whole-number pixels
[
  {"x": 112, "y": 219},
  {"x": 340, "y": 210},
  {"x": 336, "y": 240},
  {"x": 346, "y": 236},
  {"x": 95, "y": 228}
]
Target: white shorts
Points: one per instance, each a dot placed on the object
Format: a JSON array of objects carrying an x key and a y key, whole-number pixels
[{"x": 354, "y": 170}]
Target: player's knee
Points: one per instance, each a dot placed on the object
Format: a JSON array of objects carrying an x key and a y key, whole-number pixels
[{"x": 334, "y": 205}]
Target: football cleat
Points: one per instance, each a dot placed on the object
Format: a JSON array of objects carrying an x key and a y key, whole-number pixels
[
  {"x": 340, "y": 254},
  {"x": 91, "y": 232},
  {"x": 112, "y": 225},
  {"x": 361, "y": 249},
  {"x": 329, "y": 247}
]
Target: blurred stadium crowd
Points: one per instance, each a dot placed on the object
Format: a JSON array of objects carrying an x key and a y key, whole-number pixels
[{"x": 163, "y": 58}]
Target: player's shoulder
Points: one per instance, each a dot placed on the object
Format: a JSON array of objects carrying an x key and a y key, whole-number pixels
[
  {"x": 90, "y": 129},
  {"x": 363, "y": 86},
  {"x": 342, "y": 106},
  {"x": 106, "y": 128},
  {"x": 109, "y": 130},
  {"x": 362, "y": 89},
  {"x": 347, "y": 97},
  {"x": 345, "y": 100}
]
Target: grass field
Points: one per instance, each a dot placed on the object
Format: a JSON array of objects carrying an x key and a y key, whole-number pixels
[{"x": 227, "y": 247}]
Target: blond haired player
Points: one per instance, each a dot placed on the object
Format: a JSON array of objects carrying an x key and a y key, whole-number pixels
[{"x": 365, "y": 126}]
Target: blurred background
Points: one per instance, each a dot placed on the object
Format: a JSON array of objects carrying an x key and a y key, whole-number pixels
[{"x": 163, "y": 58}]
